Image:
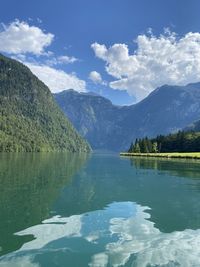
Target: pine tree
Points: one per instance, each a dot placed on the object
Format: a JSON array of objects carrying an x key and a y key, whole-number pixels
[
  {"x": 137, "y": 147},
  {"x": 149, "y": 144},
  {"x": 146, "y": 148},
  {"x": 131, "y": 148},
  {"x": 141, "y": 144}
]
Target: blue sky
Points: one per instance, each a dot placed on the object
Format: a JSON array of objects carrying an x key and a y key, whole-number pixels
[{"x": 106, "y": 67}]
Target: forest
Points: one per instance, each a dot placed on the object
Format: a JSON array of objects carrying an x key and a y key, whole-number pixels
[{"x": 181, "y": 141}]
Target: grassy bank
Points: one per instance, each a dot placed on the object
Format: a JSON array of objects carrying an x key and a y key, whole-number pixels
[{"x": 192, "y": 155}]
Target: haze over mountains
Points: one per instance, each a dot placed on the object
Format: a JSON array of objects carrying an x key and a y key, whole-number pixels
[{"x": 106, "y": 126}]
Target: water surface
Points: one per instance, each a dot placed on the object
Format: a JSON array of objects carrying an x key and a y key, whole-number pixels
[{"x": 98, "y": 210}]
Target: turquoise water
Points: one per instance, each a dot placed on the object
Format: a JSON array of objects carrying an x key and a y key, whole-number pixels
[{"x": 98, "y": 210}]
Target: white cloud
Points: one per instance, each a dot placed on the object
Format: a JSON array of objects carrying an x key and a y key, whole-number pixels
[
  {"x": 19, "y": 38},
  {"x": 39, "y": 20},
  {"x": 66, "y": 59},
  {"x": 96, "y": 77},
  {"x": 53, "y": 61},
  {"x": 56, "y": 79},
  {"x": 165, "y": 59}
]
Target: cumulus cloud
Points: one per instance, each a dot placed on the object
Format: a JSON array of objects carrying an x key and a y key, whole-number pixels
[
  {"x": 96, "y": 77},
  {"x": 56, "y": 79},
  {"x": 166, "y": 59},
  {"x": 19, "y": 38},
  {"x": 28, "y": 44}
]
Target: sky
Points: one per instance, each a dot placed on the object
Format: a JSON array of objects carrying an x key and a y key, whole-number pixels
[{"x": 122, "y": 50}]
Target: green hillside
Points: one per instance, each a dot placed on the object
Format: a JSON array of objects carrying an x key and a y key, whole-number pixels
[{"x": 30, "y": 120}]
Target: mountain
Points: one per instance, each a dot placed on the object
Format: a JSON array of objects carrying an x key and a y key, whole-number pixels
[
  {"x": 30, "y": 119},
  {"x": 94, "y": 116},
  {"x": 195, "y": 126},
  {"x": 166, "y": 110},
  {"x": 106, "y": 126}
]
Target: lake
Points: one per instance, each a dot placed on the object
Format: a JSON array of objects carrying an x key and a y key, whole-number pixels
[{"x": 98, "y": 210}]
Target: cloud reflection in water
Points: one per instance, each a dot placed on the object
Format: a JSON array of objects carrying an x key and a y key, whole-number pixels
[{"x": 110, "y": 238}]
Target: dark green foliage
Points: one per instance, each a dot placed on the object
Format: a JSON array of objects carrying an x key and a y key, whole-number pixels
[
  {"x": 30, "y": 120},
  {"x": 137, "y": 148},
  {"x": 178, "y": 142},
  {"x": 131, "y": 148}
]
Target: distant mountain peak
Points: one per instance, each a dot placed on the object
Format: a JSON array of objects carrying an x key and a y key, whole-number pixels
[
  {"x": 86, "y": 95},
  {"x": 106, "y": 126},
  {"x": 77, "y": 92}
]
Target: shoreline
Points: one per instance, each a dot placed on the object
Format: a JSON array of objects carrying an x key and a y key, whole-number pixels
[{"x": 175, "y": 155}]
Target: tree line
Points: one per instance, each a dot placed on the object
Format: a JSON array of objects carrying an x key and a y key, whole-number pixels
[{"x": 179, "y": 142}]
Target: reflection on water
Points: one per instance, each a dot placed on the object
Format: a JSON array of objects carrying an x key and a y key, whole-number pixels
[
  {"x": 29, "y": 184},
  {"x": 178, "y": 167},
  {"x": 174, "y": 199},
  {"x": 118, "y": 235},
  {"x": 57, "y": 211}
]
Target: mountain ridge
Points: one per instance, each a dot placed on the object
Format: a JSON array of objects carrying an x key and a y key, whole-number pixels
[
  {"x": 30, "y": 119},
  {"x": 107, "y": 126}
]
